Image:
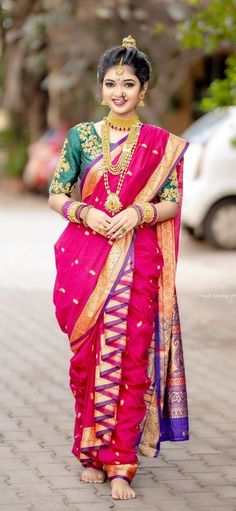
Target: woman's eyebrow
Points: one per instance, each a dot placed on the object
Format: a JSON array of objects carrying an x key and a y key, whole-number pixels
[{"x": 126, "y": 80}]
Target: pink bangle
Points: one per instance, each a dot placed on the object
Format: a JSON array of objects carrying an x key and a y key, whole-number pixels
[
  {"x": 155, "y": 215},
  {"x": 138, "y": 208},
  {"x": 141, "y": 213},
  {"x": 79, "y": 210},
  {"x": 65, "y": 207}
]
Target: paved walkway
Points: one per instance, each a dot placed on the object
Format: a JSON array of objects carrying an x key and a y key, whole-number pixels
[{"x": 38, "y": 471}]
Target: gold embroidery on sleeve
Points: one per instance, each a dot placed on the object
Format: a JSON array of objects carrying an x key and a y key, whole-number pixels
[
  {"x": 170, "y": 192},
  {"x": 57, "y": 186},
  {"x": 89, "y": 142}
]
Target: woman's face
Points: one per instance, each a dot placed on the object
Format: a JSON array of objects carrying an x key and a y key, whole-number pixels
[{"x": 121, "y": 93}]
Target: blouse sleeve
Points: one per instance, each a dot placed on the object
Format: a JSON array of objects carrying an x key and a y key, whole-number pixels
[
  {"x": 170, "y": 190},
  {"x": 68, "y": 168}
]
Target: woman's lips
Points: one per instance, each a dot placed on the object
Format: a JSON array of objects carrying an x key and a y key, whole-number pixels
[{"x": 118, "y": 102}]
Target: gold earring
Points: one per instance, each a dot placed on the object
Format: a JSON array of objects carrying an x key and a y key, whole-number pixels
[
  {"x": 141, "y": 98},
  {"x": 103, "y": 102}
]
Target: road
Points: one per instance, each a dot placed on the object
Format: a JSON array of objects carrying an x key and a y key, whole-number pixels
[{"x": 37, "y": 468}]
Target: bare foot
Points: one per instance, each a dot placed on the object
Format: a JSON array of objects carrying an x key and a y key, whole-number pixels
[
  {"x": 92, "y": 475},
  {"x": 120, "y": 489}
]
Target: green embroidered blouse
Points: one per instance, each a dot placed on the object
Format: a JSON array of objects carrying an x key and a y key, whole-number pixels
[{"x": 81, "y": 146}]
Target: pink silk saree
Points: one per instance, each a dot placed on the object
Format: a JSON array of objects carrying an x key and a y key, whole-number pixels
[{"x": 94, "y": 281}]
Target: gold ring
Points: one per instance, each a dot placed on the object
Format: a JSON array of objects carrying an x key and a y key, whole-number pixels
[{"x": 123, "y": 230}]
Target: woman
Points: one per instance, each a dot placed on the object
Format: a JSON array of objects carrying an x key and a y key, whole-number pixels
[{"x": 115, "y": 287}]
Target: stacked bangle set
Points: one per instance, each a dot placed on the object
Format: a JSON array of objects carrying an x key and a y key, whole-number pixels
[
  {"x": 71, "y": 210},
  {"x": 147, "y": 213}
]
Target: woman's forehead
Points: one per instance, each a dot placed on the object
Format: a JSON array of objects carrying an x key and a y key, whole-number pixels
[{"x": 128, "y": 73}]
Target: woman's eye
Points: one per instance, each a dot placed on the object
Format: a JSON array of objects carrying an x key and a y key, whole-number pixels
[
  {"x": 109, "y": 84},
  {"x": 129, "y": 84}
]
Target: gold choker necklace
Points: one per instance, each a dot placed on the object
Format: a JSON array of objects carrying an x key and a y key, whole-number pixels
[{"x": 120, "y": 124}]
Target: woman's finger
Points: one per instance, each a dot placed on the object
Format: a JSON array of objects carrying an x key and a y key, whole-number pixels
[
  {"x": 114, "y": 229},
  {"x": 107, "y": 223},
  {"x": 120, "y": 232}
]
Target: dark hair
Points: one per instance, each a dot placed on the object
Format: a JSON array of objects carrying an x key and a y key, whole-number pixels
[{"x": 131, "y": 57}]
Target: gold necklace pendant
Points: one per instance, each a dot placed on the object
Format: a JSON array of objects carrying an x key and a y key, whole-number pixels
[{"x": 113, "y": 203}]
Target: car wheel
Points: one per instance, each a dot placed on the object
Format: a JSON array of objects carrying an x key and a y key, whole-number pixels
[{"x": 220, "y": 224}]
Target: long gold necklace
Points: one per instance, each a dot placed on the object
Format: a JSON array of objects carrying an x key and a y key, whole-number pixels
[
  {"x": 113, "y": 203},
  {"x": 127, "y": 152}
]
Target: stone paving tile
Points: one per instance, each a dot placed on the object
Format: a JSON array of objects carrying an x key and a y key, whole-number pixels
[
  {"x": 134, "y": 505},
  {"x": 63, "y": 482},
  {"x": 180, "y": 486},
  {"x": 20, "y": 507},
  {"x": 193, "y": 466},
  {"x": 9, "y": 496},
  {"x": 226, "y": 492},
  {"x": 94, "y": 507},
  {"x": 225, "y": 507},
  {"x": 175, "y": 504},
  {"x": 165, "y": 474},
  {"x": 22, "y": 476},
  {"x": 84, "y": 495},
  {"x": 206, "y": 479},
  {"x": 159, "y": 494},
  {"x": 207, "y": 497},
  {"x": 47, "y": 504},
  {"x": 229, "y": 472},
  {"x": 26, "y": 490}
]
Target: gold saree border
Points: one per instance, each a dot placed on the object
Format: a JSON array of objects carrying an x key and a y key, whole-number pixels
[
  {"x": 151, "y": 430},
  {"x": 125, "y": 471},
  {"x": 166, "y": 295},
  {"x": 107, "y": 277},
  {"x": 151, "y": 425},
  {"x": 174, "y": 147}
]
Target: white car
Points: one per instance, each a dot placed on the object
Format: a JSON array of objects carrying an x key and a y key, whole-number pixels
[{"x": 209, "y": 201}]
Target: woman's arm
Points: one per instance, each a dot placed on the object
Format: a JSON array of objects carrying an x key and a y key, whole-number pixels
[
  {"x": 57, "y": 200},
  {"x": 166, "y": 209}
]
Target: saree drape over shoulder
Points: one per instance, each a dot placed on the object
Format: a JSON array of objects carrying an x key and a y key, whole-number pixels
[{"x": 117, "y": 302}]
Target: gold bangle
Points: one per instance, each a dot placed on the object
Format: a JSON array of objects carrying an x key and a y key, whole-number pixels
[
  {"x": 84, "y": 219},
  {"x": 148, "y": 212},
  {"x": 72, "y": 212}
]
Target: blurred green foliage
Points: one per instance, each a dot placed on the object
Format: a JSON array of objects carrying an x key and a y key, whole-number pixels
[
  {"x": 14, "y": 142},
  {"x": 214, "y": 28}
]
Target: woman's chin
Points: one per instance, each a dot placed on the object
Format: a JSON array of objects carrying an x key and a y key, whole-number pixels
[{"x": 122, "y": 110}]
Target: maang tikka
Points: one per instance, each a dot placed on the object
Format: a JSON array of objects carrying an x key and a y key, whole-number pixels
[{"x": 127, "y": 42}]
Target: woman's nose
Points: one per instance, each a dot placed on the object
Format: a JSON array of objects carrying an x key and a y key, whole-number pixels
[{"x": 119, "y": 90}]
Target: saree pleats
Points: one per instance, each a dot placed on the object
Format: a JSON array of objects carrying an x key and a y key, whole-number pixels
[{"x": 107, "y": 423}]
